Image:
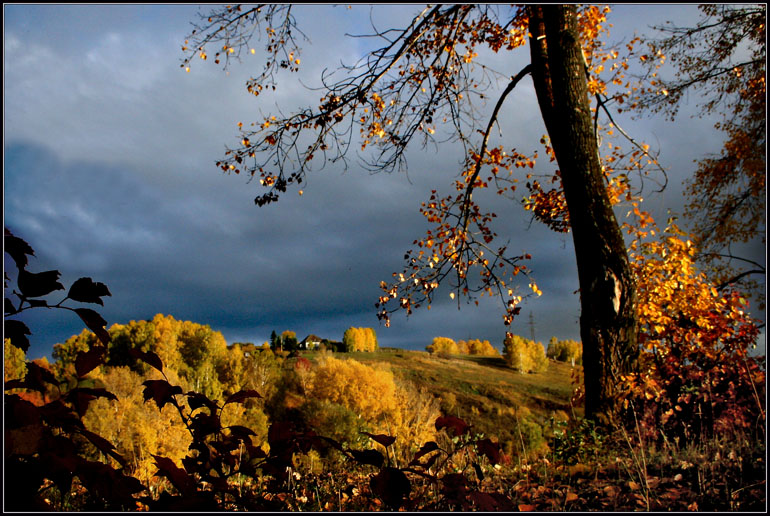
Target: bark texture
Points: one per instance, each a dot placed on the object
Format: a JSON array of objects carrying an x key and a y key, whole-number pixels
[{"x": 608, "y": 320}]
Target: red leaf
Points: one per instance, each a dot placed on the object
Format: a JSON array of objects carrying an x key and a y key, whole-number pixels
[
  {"x": 241, "y": 396},
  {"x": 391, "y": 486},
  {"x": 175, "y": 474},
  {"x": 85, "y": 290},
  {"x": 88, "y": 360},
  {"x": 457, "y": 425},
  {"x": 426, "y": 448},
  {"x": 39, "y": 284},
  {"x": 490, "y": 449},
  {"x": 149, "y": 358},
  {"x": 161, "y": 391},
  {"x": 104, "y": 446},
  {"x": 37, "y": 377},
  {"x": 95, "y": 323},
  {"x": 489, "y": 502},
  {"x": 385, "y": 440}
]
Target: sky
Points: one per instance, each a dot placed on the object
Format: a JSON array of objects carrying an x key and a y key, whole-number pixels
[{"x": 109, "y": 152}]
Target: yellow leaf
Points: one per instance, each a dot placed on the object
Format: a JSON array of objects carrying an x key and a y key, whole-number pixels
[{"x": 571, "y": 497}]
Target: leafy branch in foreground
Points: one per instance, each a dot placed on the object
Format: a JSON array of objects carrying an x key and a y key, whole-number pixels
[{"x": 44, "y": 430}]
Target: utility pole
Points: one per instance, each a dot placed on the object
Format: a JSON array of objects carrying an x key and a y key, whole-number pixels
[{"x": 531, "y": 326}]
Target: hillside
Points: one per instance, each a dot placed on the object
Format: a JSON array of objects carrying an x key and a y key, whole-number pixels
[{"x": 483, "y": 391}]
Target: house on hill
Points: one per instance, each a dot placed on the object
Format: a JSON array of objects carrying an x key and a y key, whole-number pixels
[{"x": 310, "y": 342}]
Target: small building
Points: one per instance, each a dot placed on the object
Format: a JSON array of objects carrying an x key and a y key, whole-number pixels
[{"x": 310, "y": 342}]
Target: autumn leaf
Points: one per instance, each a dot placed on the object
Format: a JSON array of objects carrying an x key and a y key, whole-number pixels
[
  {"x": 85, "y": 290},
  {"x": 424, "y": 450},
  {"x": 175, "y": 474},
  {"x": 455, "y": 424},
  {"x": 149, "y": 357},
  {"x": 371, "y": 457},
  {"x": 385, "y": 440},
  {"x": 391, "y": 485},
  {"x": 88, "y": 360},
  {"x": 17, "y": 248},
  {"x": 489, "y": 502},
  {"x": 161, "y": 391},
  {"x": 241, "y": 396},
  {"x": 103, "y": 445},
  {"x": 95, "y": 323},
  {"x": 490, "y": 449},
  {"x": 197, "y": 400},
  {"x": 39, "y": 284}
]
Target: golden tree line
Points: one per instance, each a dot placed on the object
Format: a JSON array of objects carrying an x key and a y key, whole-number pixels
[{"x": 462, "y": 347}]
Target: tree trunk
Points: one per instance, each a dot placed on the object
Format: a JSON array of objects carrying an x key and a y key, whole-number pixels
[{"x": 608, "y": 321}]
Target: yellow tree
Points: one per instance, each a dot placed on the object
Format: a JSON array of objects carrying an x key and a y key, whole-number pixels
[
  {"x": 422, "y": 83},
  {"x": 517, "y": 354},
  {"x": 14, "y": 361},
  {"x": 443, "y": 345},
  {"x": 369, "y": 392}
]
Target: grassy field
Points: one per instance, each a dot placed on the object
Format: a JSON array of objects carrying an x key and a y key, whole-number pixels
[
  {"x": 579, "y": 470},
  {"x": 496, "y": 400}
]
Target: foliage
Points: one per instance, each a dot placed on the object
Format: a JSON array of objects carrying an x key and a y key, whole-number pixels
[
  {"x": 723, "y": 57},
  {"x": 699, "y": 379},
  {"x": 14, "y": 361},
  {"x": 524, "y": 355},
  {"x": 445, "y": 345},
  {"x": 369, "y": 392},
  {"x": 360, "y": 339},
  {"x": 197, "y": 353},
  {"x": 47, "y": 443},
  {"x": 565, "y": 350},
  {"x": 138, "y": 431},
  {"x": 577, "y": 441}
]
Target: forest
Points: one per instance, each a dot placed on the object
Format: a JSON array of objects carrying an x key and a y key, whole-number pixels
[{"x": 660, "y": 404}]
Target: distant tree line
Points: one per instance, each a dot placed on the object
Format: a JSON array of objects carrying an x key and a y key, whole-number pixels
[{"x": 462, "y": 347}]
